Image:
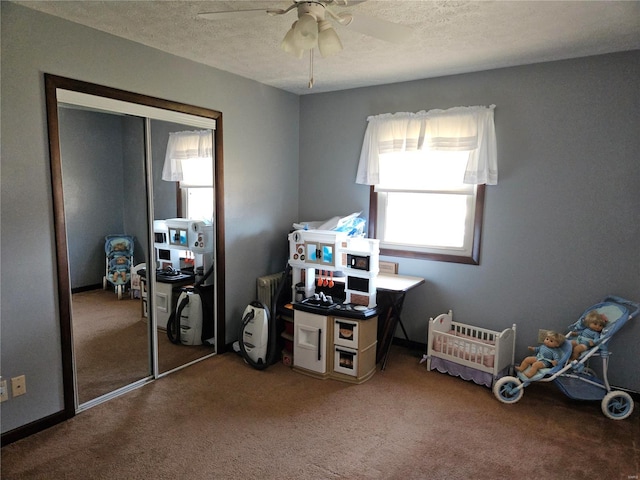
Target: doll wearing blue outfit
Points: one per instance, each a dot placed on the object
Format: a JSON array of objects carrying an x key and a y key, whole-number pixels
[
  {"x": 119, "y": 267},
  {"x": 593, "y": 323},
  {"x": 546, "y": 355}
]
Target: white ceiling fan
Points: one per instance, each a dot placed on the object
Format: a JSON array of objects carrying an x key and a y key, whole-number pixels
[{"x": 313, "y": 28}]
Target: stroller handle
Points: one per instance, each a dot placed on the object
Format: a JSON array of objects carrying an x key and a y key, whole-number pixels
[{"x": 627, "y": 303}]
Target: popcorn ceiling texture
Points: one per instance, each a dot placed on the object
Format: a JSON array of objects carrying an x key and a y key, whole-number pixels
[{"x": 450, "y": 37}]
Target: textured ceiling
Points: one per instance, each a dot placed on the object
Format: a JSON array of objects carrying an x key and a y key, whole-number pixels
[{"x": 449, "y": 37}]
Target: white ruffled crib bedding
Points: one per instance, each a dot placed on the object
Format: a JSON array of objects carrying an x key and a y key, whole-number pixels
[{"x": 469, "y": 352}]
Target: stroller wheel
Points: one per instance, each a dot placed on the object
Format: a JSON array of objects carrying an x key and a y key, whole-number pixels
[
  {"x": 508, "y": 389},
  {"x": 617, "y": 405}
]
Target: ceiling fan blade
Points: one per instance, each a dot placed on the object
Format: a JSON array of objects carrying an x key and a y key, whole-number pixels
[
  {"x": 348, "y": 3},
  {"x": 231, "y": 14},
  {"x": 253, "y": 12},
  {"x": 378, "y": 28}
]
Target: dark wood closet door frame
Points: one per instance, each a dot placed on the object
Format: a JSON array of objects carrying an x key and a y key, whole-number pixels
[{"x": 52, "y": 83}]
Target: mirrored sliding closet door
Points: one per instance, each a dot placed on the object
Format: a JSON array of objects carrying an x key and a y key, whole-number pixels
[{"x": 138, "y": 212}]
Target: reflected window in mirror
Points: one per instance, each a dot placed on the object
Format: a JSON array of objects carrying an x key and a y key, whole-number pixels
[
  {"x": 197, "y": 203},
  {"x": 196, "y": 189},
  {"x": 189, "y": 161}
]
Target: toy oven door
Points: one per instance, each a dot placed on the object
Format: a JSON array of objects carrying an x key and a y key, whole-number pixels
[
  {"x": 345, "y": 333},
  {"x": 345, "y": 361}
]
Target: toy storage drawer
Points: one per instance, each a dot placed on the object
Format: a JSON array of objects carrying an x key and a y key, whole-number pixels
[
  {"x": 345, "y": 332},
  {"x": 345, "y": 361}
]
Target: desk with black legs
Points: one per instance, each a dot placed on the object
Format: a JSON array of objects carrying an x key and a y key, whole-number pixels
[{"x": 391, "y": 292}]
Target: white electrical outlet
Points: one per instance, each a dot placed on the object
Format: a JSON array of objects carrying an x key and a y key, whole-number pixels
[
  {"x": 4, "y": 392},
  {"x": 19, "y": 385}
]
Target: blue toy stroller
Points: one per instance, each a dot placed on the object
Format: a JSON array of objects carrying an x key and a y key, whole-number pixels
[
  {"x": 573, "y": 377},
  {"x": 119, "y": 259}
]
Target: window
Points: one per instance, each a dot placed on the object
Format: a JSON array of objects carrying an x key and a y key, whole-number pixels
[
  {"x": 189, "y": 161},
  {"x": 197, "y": 203},
  {"x": 196, "y": 188},
  {"x": 427, "y": 172},
  {"x": 422, "y": 209}
]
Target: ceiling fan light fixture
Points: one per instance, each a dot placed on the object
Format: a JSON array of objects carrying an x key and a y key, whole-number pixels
[
  {"x": 328, "y": 41},
  {"x": 305, "y": 32},
  {"x": 289, "y": 44}
]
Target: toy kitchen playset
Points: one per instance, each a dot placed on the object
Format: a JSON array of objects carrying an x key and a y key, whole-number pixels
[
  {"x": 334, "y": 337},
  {"x": 183, "y": 252}
]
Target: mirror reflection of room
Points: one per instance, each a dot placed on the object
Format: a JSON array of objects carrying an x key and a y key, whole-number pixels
[
  {"x": 104, "y": 178},
  {"x": 183, "y": 242},
  {"x": 106, "y": 219}
]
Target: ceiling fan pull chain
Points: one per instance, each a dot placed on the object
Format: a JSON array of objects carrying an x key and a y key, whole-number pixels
[{"x": 311, "y": 68}]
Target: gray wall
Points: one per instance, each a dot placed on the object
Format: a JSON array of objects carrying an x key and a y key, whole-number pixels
[
  {"x": 135, "y": 209},
  {"x": 93, "y": 182},
  {"x": 561, "y": 228},
  {"x": 260, "y": 176}
]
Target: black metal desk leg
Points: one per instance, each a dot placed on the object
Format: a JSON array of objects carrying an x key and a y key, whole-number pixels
[
  {"x": 386, "y": 354},
  {"x": 396, "y": 308}
]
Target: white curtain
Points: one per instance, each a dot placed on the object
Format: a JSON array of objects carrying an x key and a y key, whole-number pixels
[
  {"x": 189, "y": 158},
  {"x": 469, "y": 129}
]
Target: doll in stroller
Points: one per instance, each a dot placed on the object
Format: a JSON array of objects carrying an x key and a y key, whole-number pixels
[
  {"x": 574, "y": 377},
  {"x": 587, "y": 333},
  {"x": 119, "y": 259},
  {"x": 547, "y": 355}
]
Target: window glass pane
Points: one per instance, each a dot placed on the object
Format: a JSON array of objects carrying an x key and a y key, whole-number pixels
[
  {"x": 197, "y": 172},
  {"x": 435, "y": 220},
  {"x": 200, "y": 203},
  {"x": 423, "y": 209},
  {"x": 423, "y": 170}
]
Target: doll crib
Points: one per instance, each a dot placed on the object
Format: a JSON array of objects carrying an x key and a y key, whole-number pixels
[{"x": 469, "y": 352}]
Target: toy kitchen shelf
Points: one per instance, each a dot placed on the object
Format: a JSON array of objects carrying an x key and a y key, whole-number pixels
[{"x": 329, "y": 252}]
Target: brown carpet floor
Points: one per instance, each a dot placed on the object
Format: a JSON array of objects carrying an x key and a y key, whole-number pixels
[
  {"x": 111, "y": 344},
  {"x": 221, "y": 419}
]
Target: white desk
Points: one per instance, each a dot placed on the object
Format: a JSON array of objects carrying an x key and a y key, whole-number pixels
[{"x": 397, "y": 283}]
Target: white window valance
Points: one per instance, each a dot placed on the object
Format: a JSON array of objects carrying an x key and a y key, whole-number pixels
[
  {"x": 460, "y": 129},
  {"x": 189, "y": 158}
]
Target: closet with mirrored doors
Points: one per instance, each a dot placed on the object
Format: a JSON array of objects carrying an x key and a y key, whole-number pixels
[{"x": 139, "y": 226}]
